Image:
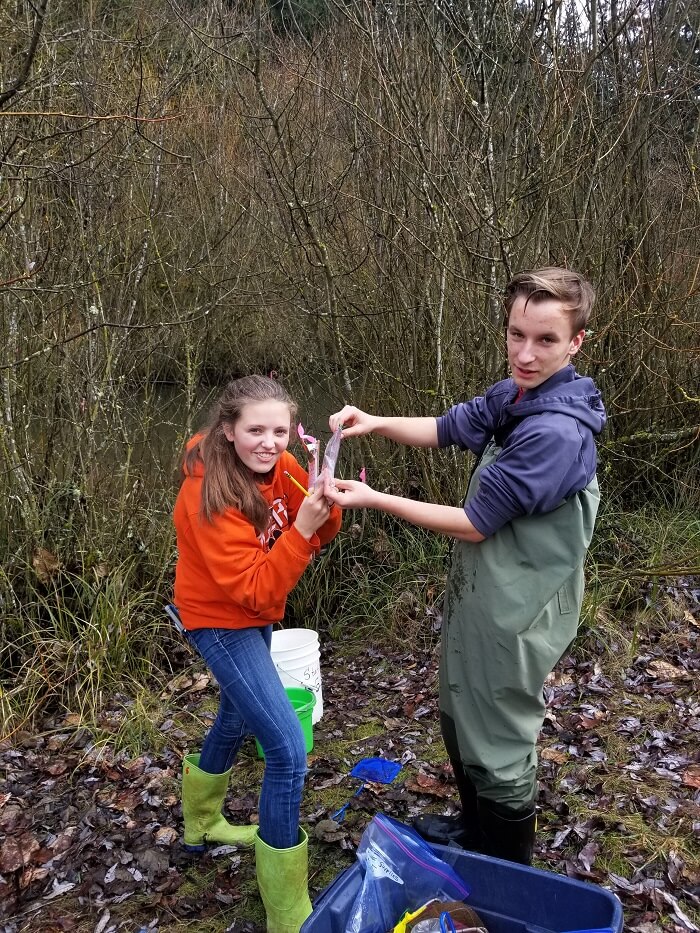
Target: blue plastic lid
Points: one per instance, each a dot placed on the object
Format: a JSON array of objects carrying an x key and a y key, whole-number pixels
[{"x": 597, "y": 930}]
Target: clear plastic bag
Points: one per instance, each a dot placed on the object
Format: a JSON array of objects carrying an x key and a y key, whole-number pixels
[
  {"x": 313, "y": 450},
  {"x": 400, "y": 872},
  {"x": 330, "y": 458}
]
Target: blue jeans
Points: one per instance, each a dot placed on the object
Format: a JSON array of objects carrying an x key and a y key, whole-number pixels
[{"x": 253, "y": 700}]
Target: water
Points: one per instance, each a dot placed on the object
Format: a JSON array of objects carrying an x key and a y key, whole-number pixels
[{"x": 157, "y": 423}]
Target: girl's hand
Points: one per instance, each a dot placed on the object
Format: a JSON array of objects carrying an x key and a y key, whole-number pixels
[
  {"x": 313, "y": 512},
  {"x": 350, "y": 494},
  {"x": 354, "y": 421}
]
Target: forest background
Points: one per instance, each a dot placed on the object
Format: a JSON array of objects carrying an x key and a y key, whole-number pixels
[{"x": 336, "y": 192}]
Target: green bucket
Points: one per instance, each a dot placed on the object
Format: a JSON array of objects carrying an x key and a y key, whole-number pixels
[{"x": 303, "y": 701}]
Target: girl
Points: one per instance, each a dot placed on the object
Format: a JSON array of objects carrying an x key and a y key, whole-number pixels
[{"x": 245, "y": 535}]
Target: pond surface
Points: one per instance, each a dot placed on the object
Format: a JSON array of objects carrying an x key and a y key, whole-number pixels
[{"x": 158, "y": 422}]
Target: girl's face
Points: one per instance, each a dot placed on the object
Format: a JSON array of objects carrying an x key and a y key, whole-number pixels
[{"x": 261, "y": 434}]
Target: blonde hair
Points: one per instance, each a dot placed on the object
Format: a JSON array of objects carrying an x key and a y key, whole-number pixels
[
  {"x": 228, "y": 482},
  {"x": 573, "y": 290}
]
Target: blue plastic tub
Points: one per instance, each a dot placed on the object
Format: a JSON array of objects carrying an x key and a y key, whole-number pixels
[{"x": 509, "y": 898}]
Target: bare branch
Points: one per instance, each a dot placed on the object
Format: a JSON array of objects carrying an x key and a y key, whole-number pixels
[{"x": 29, "y": 56}]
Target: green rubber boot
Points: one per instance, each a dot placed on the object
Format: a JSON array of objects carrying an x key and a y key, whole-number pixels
[
  {"x": 202, "y": 798},
  {"x": 283, "y": 881}
]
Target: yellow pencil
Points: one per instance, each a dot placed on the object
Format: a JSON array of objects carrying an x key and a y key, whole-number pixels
[{"x": 297, "y": 483}]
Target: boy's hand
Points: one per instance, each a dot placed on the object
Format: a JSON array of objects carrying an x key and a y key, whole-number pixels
[
  {"x": 354, "y": 421},
  {"x": 313, "y": 512},
  {"x": 350, "y": 494}
]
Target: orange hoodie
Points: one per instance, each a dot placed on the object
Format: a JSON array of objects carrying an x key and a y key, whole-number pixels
[{"x": 227, "y": 576}]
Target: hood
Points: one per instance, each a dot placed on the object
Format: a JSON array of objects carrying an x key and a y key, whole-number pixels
[
  {"x": 198, "y": 466},
  {"x": 568, "y": 394}
]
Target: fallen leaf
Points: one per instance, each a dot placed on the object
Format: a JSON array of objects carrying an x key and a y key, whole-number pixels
[
  {"x": 680, "y": 915},
  {"x": 329, "y": 831},
  {"x": 554, "y": 754},
  {"x": 588, "y": 854},
  {"x": 665, "y": 670},
  {"x": 45, "y": 564},
  {"x": 58, "y": 888},
  {"x": 121, "y": 810},
  {"x": 103, "y": 921},
  {"x": 17, "y": 851},
  {"x": 691, "y": 776},
  {"x": 165, "y": 836},
  {"x": 426, "y": 784}
]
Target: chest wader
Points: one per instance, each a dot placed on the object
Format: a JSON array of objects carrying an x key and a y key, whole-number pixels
[{"x": 512, "y": 609}]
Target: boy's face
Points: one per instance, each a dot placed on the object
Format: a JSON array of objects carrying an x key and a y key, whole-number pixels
[{"x": 539, "y": 340}]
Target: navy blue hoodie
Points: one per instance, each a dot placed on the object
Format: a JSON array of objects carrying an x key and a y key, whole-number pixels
[{"x": 547, "y": 440}]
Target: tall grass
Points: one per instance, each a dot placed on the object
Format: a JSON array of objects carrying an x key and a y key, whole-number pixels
[
  {"x": 378, "y": 584},
  {"x": 73, "y": 639}
]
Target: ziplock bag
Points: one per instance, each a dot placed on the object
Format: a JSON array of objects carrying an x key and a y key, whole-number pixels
[
  {"x": 400, "y": 872},
  {"x": 313, "y": 449},
  {"x": 330, "y": 458}
]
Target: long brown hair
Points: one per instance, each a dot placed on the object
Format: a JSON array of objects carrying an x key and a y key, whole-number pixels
[{"x": 227, "y": 481}]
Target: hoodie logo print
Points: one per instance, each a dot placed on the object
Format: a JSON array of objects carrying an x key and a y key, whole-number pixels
[{"x": 279, "y": 520}]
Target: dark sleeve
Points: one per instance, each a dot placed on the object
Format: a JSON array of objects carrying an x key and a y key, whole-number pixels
[
  {"x": 470, "y": 425},
  {"x": 540, "y": 465}
]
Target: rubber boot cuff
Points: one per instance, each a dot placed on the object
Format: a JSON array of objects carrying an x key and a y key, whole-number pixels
[{"x": 507, "y": 833}]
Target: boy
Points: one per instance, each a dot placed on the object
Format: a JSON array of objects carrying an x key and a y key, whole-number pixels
[{"x": 515, "y": 584}]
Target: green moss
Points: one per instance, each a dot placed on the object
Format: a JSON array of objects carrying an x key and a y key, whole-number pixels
[{"x": 365, "y": 730}]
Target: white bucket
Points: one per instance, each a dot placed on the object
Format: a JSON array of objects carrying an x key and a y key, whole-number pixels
[{"x": 297, "y": 657}]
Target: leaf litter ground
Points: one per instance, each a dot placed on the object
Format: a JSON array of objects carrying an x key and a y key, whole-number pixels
[{"x": 90, "y": 837}]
